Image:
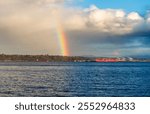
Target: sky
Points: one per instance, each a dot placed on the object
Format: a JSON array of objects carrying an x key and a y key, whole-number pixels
[
  {"x": 127, "y": 5},
  {"x": 104, "y": 28}
]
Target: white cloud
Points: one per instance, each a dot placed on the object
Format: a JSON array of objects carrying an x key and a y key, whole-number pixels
[
  {"x": 107, "y": 20},
  {"x": 134, "y": 16},
  {"x": 113, "y": 21}
]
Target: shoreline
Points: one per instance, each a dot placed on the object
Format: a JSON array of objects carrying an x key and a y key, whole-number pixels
[{"x": 58, "y": 58}]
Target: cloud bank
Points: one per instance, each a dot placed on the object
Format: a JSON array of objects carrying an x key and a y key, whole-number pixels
[{"x": 30, "y": 27}]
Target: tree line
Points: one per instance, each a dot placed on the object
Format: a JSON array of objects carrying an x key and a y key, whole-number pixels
[{"x": 42, "y": 58}]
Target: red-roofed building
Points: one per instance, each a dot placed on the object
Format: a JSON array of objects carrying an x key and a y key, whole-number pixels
[{"x": 108, "y": 60}]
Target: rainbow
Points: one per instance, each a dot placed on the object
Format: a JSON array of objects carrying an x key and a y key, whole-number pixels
[{"x": 63, "y": 41}]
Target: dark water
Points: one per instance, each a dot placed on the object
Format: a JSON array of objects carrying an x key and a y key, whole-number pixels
[{"x": 74, "y": 79}]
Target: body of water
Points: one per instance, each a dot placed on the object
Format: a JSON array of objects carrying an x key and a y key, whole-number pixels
[{"x": 63, "y": 79}]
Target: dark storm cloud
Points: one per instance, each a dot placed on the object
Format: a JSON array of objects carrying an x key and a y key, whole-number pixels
[{"x": 98, "y": 37}]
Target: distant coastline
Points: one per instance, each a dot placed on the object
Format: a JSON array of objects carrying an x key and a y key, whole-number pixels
[
  {"x": 58, "y": 58},
  {"x": 42, "y": 58}
]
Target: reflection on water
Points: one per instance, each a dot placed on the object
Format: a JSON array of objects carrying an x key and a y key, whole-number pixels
[{"x": 74, "y": 79}]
